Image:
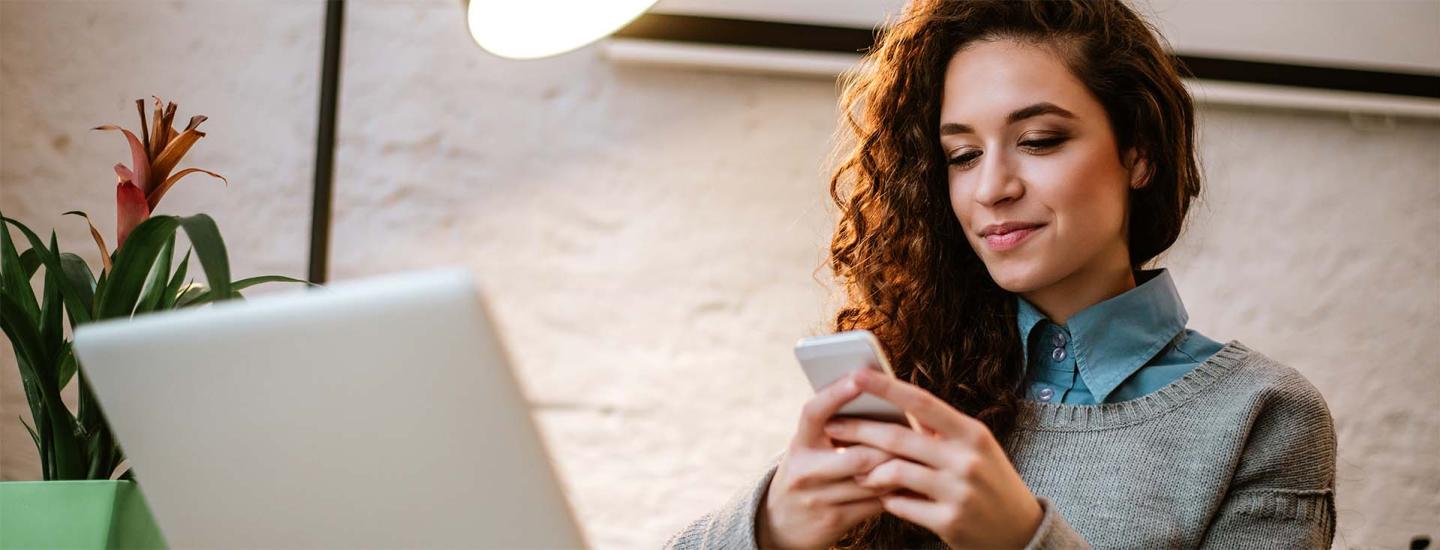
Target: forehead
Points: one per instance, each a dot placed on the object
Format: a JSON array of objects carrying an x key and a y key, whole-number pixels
[{"x": 987, "y": 80}]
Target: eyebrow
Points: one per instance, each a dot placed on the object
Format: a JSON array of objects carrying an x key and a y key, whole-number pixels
[{"x": 1042, "y": 108}]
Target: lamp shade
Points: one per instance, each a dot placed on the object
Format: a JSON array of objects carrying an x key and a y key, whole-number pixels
[{"x": 528, "y": 29}]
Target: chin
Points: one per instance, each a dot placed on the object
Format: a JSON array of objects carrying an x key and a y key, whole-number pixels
[{"x": 1017, "y": 276}]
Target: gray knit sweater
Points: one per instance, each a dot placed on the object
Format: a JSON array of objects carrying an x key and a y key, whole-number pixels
[{"x": 1238, "y": 453}]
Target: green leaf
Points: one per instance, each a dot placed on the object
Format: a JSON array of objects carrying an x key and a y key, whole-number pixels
[
  {"x": 31, "y": 357},
  {"x": 172, "y": 290},
  {"x": 44, "y": 464},
  {"x": 68, "y": 363},
  {"x": 82, "y": 283},
  {"x": 52, "y": 317},
  {"x": 117, "y": 455},
  {"x": 79, "y": 311},
  {"x": 191, "y": 294},
  {"x": 37, "y": 412},
  {"x": 196, "y": 299},
  {"x": 100, "y": 449},
  {"x": 117, "y": 297},
  {"x": 33, "y": 436},
  {"x": 52, "y": 308},
  {"x": 32, "y": 392},
  {"x": 69, "y": 460},
  {"x": 158, "y": 279},
  {"x": 12, "y": 275},
  {"x": 29, "y": 262},
  {"x": 102, "y": 446},
  {"x": 210, "y": 248},
  {"x": 24, "y": 334},
  {"x": 237, "y": 286},
  {"x": 89, "y": 413},
  {"x": 243, "y": 284}
]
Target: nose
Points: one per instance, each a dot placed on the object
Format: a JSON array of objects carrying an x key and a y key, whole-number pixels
[{"x": 998, "y": 181}]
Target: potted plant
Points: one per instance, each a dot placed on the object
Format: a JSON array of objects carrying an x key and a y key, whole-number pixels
[{"x": 87, "y": 499}]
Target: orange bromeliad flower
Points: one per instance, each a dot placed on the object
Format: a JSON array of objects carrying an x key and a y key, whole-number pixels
[{"x": 152, "y": 156}]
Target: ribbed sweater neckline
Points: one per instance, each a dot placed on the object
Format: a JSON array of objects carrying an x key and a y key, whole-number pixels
[{"x": 1041, "y": 416}]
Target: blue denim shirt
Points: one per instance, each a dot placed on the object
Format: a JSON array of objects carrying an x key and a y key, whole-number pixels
[{"x": 1117, "y": 350}]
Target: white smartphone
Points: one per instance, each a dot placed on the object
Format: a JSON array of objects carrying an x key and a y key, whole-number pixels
[{"x": 828, "y": 358}]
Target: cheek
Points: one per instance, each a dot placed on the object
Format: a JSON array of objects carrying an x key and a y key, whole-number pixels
[
  {"x": 956, "y": 205},
  {"x": 1088, "y": 197},
  {"x": 964, "y": 208},
  {"x": 961, "y": 203}
]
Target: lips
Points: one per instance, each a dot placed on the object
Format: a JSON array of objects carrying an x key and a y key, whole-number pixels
[
  {"x": 1009, "y": 239},
  {"x": 1007, "y": 227}
]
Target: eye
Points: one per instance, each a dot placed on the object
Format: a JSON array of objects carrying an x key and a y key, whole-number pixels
[
  {"x": 964, "y": 160},
  {"x": 1044, "y": 143}
]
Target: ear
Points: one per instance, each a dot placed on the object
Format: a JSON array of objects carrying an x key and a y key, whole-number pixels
[{"x": 1139, "y": 168}]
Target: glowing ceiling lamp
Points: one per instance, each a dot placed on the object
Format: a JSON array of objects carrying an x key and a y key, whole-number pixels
[{"x": 528, "y": 29}]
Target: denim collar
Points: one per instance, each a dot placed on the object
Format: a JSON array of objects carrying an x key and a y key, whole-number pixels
[{"x": 1112, "y": 339}]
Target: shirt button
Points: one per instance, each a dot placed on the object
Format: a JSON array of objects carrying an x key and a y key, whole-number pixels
[
  {"x": 1046, "y": 394},
  {"x": 1058, "y": 355},
  {"x": 1058, "y": 339}
]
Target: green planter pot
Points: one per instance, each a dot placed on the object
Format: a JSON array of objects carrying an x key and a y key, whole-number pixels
[{"x": 76, "y": 514}]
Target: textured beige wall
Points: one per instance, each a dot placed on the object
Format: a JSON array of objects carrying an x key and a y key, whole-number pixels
[{"x": 648, "y": 239}]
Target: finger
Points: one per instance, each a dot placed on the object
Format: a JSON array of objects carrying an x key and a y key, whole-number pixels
[
  {"x": 851, "y": 513},
  {"x": 929, "y": 514},
  {"x": 928, "y": 409},
  {"x": 903, "y": 474},
  {"x": 842, "y": 492},
  {"x": 849, "y": 461},
  {"x": 820, "y": 408},
  {"x": 892, "y": 438}
]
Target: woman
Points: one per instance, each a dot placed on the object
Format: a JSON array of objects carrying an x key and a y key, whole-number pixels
[{"x": 1015, "y": 165}]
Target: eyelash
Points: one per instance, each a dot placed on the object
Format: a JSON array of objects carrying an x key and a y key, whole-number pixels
[{"x": 1039, "y": 143}]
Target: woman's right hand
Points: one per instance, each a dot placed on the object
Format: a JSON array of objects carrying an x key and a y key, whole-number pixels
[{"x": 813, "y": 498}]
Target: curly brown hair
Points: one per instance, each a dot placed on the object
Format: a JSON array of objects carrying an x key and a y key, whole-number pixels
[{"x": 899, "y": 253}]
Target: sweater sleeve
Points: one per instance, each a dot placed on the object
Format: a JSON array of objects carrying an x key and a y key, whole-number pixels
[
  {"x": 732, "y": 526},
  {"x": 1283, "y": 492},
  {"x": 1054, "y": 532}
]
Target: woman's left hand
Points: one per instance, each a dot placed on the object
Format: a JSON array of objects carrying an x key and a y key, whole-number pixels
[{"x": 960, "y": 484}]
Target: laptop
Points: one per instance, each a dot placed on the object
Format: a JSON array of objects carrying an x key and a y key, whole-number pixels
[{"x": 375, "y": 413}]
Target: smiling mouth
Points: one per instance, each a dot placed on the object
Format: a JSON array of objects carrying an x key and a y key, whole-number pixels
[{"x": 1002, "y": 242}]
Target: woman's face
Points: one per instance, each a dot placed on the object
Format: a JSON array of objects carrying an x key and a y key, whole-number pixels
[{"x": 1028, "y": 144}]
